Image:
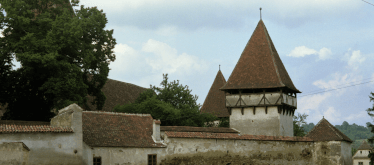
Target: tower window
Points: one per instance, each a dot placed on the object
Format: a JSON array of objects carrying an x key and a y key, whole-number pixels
[
  {"x": 360, "y": 152},
  {"x": 97, "y": 160},
  {"x": 152, "y": 159}
]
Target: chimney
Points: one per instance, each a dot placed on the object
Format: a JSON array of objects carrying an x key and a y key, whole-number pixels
[{"x": 156, "y": 130}]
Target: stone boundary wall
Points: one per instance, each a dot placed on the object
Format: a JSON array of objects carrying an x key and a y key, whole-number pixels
[{"x": 221, "y": 152}]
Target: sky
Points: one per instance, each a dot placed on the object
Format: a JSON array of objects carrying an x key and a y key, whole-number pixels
[{"x": 326, "y": 47}]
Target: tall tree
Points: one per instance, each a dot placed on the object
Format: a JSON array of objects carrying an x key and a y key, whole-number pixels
[
  {"x": 298, "y": 121},
  {"x": 64, "y": 56},
  {"x": 172, "y": 103},
  {"x": 371, "y": 126}
]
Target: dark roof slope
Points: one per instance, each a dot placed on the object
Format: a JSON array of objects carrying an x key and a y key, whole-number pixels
[
  {"x": 215, "y": 100},
  {"x": 116, "y": 92},
  {"x": 259, "y": 65},
  {"x": 108, "y": 129},
  {"x": 324, "y": 131},
  {"x": 209, "y": 135},
  {"x": 364, "y": 146},
  {"x": 198, "y": 129},
  {"x": 21, "y": 122}
]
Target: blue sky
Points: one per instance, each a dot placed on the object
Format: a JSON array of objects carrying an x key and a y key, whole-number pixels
[{"x": 324, "y": 45}]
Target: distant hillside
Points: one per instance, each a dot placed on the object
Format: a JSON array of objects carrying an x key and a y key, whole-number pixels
[{"x": 355, "y": 132}]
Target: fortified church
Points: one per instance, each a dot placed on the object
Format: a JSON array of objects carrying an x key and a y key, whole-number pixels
[{"x": 259, "y": 98}]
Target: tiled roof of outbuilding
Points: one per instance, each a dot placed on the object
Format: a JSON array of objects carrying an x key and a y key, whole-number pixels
[
  {"x": 324, "y": 131},
  {"x": 259, "y": 65},
  {"x": 116, "y": 92},
  {"x": 233, "y": 136},
  {"x": 33, "y": 129},
  {"x": 215, "y": 101},
  {"x": 109, "y": 129},
  {"x": 364, "y": 146},
  {"x": 197, "y": 129}
]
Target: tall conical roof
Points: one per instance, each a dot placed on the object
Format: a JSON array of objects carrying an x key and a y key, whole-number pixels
[
  {"x": 259, "y": 66},
  {"x": 364, "y": 146},
  {"x": 324, "y": 131},
  {"x": 215, "y": 100}
]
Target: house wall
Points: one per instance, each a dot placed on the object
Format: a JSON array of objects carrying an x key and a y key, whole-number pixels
[
  {"x": 126, "y": 156},
  {"x": 363, "y": 160},
  {"x": 221, "y": 152},
  {"x": 260, "y": 123},
  {"x": 13, "y": 153},
  {"x": 362, "y": 157}
]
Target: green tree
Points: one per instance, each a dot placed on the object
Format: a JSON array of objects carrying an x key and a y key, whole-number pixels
[
  {"x": 172, "y": 103},
  {"x": 371, "y": 126},
  {"x": 298, "y": 121},
  {"x": 64, "y": 56}
]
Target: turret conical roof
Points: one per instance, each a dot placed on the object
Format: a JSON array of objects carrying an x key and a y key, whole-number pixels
[
  {"x": 325, "y": 131},
  {"x": 215, "y": 100},
  {"x": 259, "y": 66},
  {"x": 364, "y": 146}
]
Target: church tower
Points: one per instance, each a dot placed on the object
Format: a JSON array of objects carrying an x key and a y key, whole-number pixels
[{"x": 260, "y": 95}]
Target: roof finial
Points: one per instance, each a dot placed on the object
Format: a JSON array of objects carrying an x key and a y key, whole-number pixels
[
  {"x": 219, "y": 66},
  {"x": 260, "y": 13}
]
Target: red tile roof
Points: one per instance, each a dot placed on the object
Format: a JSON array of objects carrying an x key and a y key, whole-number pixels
[
  {"x": 33, "y": 129},
  {"x": 324, "y": 131},
  {"x": 215, "y": 101},
  {"x": 116, "y": 92},
  {"x": 259, "y": 65},
  {"x": 197, "y": 129},
  {"x": 109, "y": 129},
  {"x": 233, "y": 136}
]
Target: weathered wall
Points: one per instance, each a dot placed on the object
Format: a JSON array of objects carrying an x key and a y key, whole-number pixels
[
  {"x": 331, "y": 152},
  {"x": 47, "y": 148},
  {"x": 87, "y": 154},
  {"x": 361, "y": 157},
  {"x": 126, "y": 156},
  {"x": 13, "y": 153},
  {"x": 346, "y": 152},
  {"x": 260, "y": 123},
  {"x": 222, "y": 152}
]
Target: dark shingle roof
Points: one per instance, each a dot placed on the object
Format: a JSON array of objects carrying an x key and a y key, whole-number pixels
[
  {"x": 116, "y": 92},
  {"x": 197, "y": 129},
  {"x": 215, "y": 100},
  {"x": 324, "y": 131},
  {"x": 209, "y": 135},
  {"x": 20, "y": 122},
  {"x": 108, "y": 129},
  {"x": 364, "y": 146},
  {"x": 33, "y": 129},
  {"x": 259, "y": 65}
]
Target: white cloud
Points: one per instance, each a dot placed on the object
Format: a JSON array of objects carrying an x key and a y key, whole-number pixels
[
  {"x": 332, "y": 115},
  {"x": 1, "y": 33},
  {"x": 166, "y": 59},
  {"x": 354, "y": 58},
  {"x": 146, "y": 66},
  {"x": 303, "y": 51}
]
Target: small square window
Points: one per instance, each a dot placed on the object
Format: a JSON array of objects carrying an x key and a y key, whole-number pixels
[
  {"x": 360, "y": 163},
  {"x": 152, "y": 159},
  {"x": 97, "y": 160}
]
